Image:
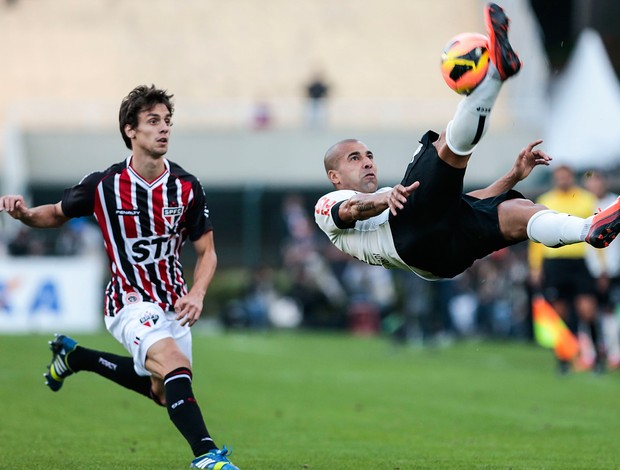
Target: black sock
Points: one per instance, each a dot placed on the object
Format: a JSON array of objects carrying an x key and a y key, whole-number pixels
[
  {"x": 118, "y": 369},
  {"x": 185, "y": 412}
]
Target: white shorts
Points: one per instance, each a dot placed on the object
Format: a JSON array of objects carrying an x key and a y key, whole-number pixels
[{"x": 138, "y": 326}]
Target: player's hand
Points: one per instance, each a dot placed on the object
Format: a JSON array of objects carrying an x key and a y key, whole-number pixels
[
  {"x": 188, "y": 309},
  {"x": 14, "y": 205},
  {"x": 397, "y": 197},
  {"x": 529, "y": 158}
]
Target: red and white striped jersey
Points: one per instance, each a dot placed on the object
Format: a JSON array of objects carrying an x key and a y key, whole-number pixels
[{"x": 144, "y": 225}]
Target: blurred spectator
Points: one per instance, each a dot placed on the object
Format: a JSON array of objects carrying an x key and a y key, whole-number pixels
[
  {"x": 259, "y": 296},
  {"x": 78, "y": 237},
  {"x": 313, "y": 282},
  {"x": 605, "y": 267},
  {"x": 262, "y": 118},
  {"x": 317, "y": 91},
  {"x": 493, "y": 315},
  {"x": 27, "y": 242},
  {"x": 464, "y": 304},
  {"x": 561, "y": 273},
  {"x": 261, "y": 305},
  {"x": 426, "y": 309},
  {"x": 501, "y": 293},
  {"x": 372, "y": 296}
]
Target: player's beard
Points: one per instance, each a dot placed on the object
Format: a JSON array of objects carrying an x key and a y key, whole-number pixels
[{"x": 158, "y": 153}]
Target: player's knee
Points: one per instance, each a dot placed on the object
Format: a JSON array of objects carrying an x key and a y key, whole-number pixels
[
  {"x": 514, "y": 216},
  {"x": 174, "y": 360},
  {"x": 164, "y": 357},
  {"x": 446, "y": 153}
]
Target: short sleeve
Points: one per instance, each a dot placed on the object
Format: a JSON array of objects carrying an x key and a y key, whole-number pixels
[
  {"x": 79, "y": 200},
  {"x": 324, "y": 210},
  {"x": 198, "y": 219}
]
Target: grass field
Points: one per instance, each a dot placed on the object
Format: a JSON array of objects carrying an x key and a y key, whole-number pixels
[{"x": 319, "y": 401}]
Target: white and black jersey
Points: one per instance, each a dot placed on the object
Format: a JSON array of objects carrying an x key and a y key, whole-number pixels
[
  {"x": 369, "y": 240},
  {"x": 144, "y": 225}
]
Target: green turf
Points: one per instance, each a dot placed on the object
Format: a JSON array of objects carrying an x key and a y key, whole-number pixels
[{"x": 307, "y": 401}]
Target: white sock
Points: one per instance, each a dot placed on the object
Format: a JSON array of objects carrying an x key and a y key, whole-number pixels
[
  {"x": 555, "y": 229},
  {"x": 471, "y": 119}
]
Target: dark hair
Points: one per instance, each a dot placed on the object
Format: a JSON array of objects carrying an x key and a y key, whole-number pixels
[{"x": 141, "y": 98}]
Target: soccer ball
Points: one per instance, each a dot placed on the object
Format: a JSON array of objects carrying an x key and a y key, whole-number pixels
[{"x": 465, "y": 61}]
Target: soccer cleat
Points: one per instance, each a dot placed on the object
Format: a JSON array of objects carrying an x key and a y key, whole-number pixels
[
  {"x": 604, "y": 226},
  {"x": 215, "y": 459},
  {"x": 58, "y": 370},
  {"x": 506, "y": 60}
]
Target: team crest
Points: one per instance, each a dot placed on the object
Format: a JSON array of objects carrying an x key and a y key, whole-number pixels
[
  {"x": 171, "y": 215},
  {"x": 132, "y": 297},
  {"x": 149, "y": 319}
]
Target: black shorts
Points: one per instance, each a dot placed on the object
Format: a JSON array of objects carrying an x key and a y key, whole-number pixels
[
  {"x": 440, "y": 229},
  {"x": 564, "y": 278}
]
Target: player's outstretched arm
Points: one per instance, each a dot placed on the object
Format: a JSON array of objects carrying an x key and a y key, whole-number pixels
[
  {"x": 45, "y": 216},
  {"x": 189, "y": 307},
  {"x": 528, "y": 158},
  {"x": 364, "y": 206}
]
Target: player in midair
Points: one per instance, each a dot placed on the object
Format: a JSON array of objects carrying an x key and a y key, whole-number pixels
[
  {"x": 426, "y": 224},
  {"x": 146, "y": 207}
]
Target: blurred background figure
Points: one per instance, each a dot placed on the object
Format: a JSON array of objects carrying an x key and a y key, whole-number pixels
[
  {"x": 317, "y": 91},
  {"x": 312, "y": 281},
  {"x": 605, "y": 267},
  {"x": 78, "y": 237},
  {"x": 371, "y": 296},
  {"x": 262, "y": 117},
  {"x": 501, "y": 293},
  {"x": 561, "y": 274},
  {"x": 27, "y": 242}
]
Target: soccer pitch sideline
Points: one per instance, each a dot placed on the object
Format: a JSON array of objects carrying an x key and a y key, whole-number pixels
[{"x": 319, "y": 401}]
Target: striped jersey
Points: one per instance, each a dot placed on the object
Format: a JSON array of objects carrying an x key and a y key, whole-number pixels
[{"x": 144, "y": 225}]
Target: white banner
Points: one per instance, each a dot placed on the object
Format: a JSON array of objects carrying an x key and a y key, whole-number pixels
[{"x": 51, "y": 295}]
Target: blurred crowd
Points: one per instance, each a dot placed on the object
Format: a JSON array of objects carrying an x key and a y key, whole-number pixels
[
  {"x": 76, "y": 237},
  {"x": 335, "y": 290},
  {"x": 316, "y": 286},
  {"x": 493, "y": 299}
]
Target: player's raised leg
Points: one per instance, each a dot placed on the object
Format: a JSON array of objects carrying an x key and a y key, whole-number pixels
[
  {"x": 471, "y": 120},
  {"x": 505, "y": 60}
]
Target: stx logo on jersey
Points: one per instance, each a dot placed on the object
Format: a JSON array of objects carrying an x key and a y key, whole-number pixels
[
  {"x": 149, "y": 319},
  {"x": 171, "y": 215},
  {"x": 150, "y": 249}
]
